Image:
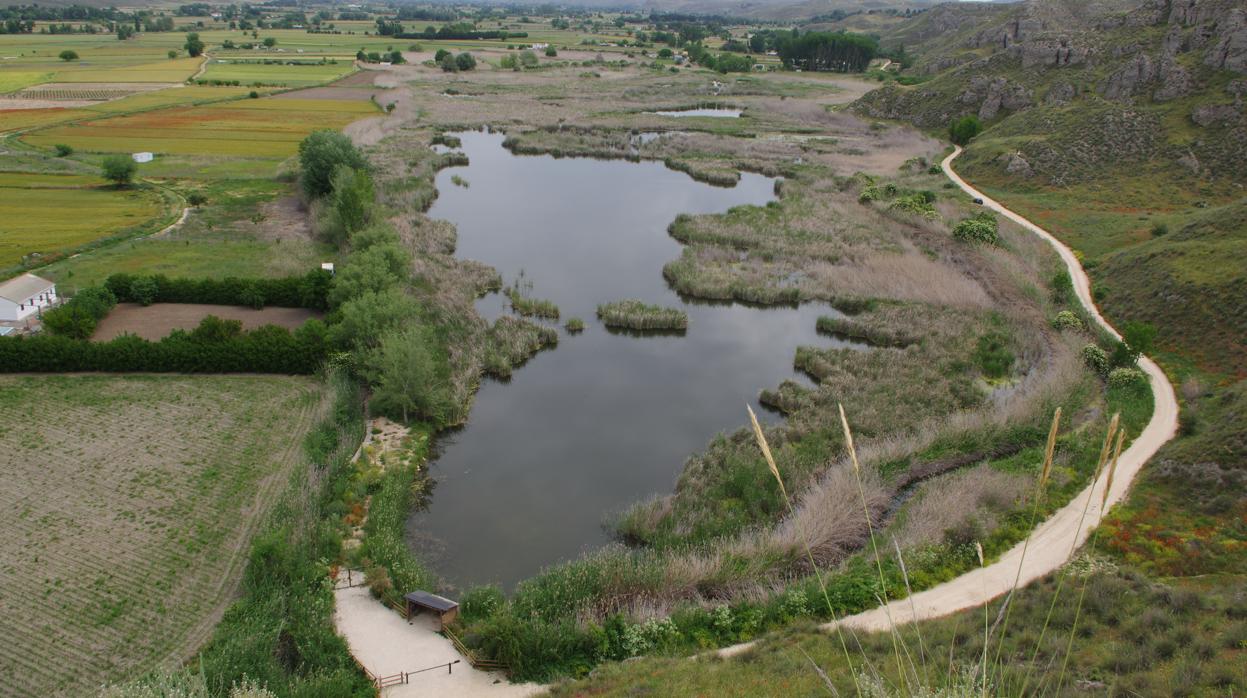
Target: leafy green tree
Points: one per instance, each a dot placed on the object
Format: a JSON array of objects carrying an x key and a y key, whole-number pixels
[
  {"x": 172, "y": 54},
  {"x": 119, "y": 169},
  {"x": 441, "y": 54},
  {"x": 196, "y": 199},
  {"x": 194, "y": 47},
  {"x": 551, "y": 52},
  {"x": 963, "y": 129},
  {"x": 270, "y": 42},
  {"x": 1138, "y": 339},
  {"x": 413, "y": 374},
  {"x": 68, "y": 55},
  {"x": 320, "y": 155},
  {"x": 352, "y": 201},
  {"x": 448, "y": 64},
  {"x": 465, "y": 61},
  {"x": 375, "y": 269},
  {"x": 369, "y": 316}
]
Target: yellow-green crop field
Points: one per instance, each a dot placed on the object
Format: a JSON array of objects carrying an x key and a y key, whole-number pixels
[
  {"x": 267, "y": 127},
  {"x": 17, "y": 119},
  {"x": 55, "y": 213},
  {"x": 290, "y": 75}
]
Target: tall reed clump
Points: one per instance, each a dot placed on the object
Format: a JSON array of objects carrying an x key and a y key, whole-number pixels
[
  {"x": 531, "y": 307},
  {"x": 634, "y": 315}
]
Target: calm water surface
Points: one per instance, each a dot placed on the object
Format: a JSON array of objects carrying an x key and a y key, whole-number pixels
[
  {"x": 584, "y": 430},
  {"x": 715, "y": 113}
]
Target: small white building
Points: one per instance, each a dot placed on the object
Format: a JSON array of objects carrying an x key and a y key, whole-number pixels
[
  {"x": 24, "y": 296},
  {"x": 142, "y": 157}
]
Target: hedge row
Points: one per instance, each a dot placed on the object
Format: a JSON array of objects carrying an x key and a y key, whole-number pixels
[
  {"x": 217, "y": 346},
  {"x": 308, "y": 291}
]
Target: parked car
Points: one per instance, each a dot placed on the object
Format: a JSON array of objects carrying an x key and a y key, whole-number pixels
[{"x": 978, "y": 201}]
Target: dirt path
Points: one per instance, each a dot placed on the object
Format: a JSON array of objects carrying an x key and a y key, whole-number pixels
[
  {"x": 1056, "y": 539},
  {"x": 386, "y": 644}
]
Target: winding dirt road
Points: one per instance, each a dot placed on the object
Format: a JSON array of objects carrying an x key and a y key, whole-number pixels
[{"x": 1056, "y": 539}]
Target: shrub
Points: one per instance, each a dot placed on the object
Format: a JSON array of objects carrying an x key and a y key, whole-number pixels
[
  {"x": 448, "y": 64},
  {"x": 981, "y": 227},
  {"x": 480, "y": 603},
  {"x": 308, "y": 291},
  {"x": 1095, "y": 359},
  {"x": 1159, "y": 229},
  {"x": 68, "y": 55},
  {"x": 253, "y": 94},
  {"x": 78, "y": 317},
  {"x": 1067, "y": 320},
  {"x": 1125, "y": 377},
  {"x": 63, "y": 150},
  {"x": 441, "y": 54},
  {"x": 465, "y": 61},
  {"x": 196, "y": 199}
]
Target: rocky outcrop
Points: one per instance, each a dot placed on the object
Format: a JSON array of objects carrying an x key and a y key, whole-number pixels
[
  {"x": 1015, "y": 164},
  {"x": 1130, "y": 78},
  {"x": 1229, "y": 50},
  {"x": 1175, "y": 82},
  {"x": 1050, "y": 53},
  {"x": 1216, "y": 114},
  {"x": 1190, "y": 162},
  {"x": 996, "y": 95},
  {"x": 1060, "y": 93}
]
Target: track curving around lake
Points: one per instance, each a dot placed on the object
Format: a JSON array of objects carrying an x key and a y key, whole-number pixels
[{"x": 1054, "y": 540}]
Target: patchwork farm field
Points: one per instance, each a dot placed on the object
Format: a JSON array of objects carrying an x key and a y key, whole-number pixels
[
  {"x": 55, "y": 212},
  {"x": 286, "y": 74},
  {"x": 128, "y": 507},
  {"x": 255, "y": 128}
]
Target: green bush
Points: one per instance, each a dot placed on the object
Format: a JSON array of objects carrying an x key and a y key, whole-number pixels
[
  {"x": 215, "y": 346},
  {"x": 1067, "y": 320},
  {"x": 1126, "y": 377},
  {"x": 1095, "y": 359},
  {"x": 981, "y": 227},
  {"x": 63, "y": 150},
  {"x": 78, "y": 317},
  {"x": 308, "y": 291}
]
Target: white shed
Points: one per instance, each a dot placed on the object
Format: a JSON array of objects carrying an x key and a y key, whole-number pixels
[
  {"x": 24, "y": 296},
  {"x": 142, "y": 157}
]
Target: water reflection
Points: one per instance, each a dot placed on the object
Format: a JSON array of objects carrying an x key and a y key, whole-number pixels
[{"x": 605, "y": 419}]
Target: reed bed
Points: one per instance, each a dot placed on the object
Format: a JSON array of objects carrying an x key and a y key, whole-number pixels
[
  {"x": 532, "y": 307},
  {"x": 635, "y": 315}
]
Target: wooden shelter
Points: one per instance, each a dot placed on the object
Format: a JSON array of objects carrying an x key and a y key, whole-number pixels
[{"x": 445, "y": 609}]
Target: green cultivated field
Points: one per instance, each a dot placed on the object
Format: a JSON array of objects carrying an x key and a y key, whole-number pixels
[
  {"x": 54, "y": 213},
  {"x": 128, "y": 510}
]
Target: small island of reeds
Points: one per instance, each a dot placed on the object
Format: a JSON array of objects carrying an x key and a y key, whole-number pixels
[{"x": 635, "y": 315}]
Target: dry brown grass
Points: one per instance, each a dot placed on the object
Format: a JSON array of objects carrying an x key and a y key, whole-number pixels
[{"x": 977, "y": 494}]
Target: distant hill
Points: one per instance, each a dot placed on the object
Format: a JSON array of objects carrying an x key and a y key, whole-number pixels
[{"x": 1116, "y": 122}]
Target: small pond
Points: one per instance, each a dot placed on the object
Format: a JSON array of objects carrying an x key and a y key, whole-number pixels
[
  {"x": 603, "y": 420},
  {"x": 713, "y": 113}
]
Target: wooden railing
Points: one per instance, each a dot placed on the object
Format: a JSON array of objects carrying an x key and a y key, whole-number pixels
[{"x": 473, "y": 659}]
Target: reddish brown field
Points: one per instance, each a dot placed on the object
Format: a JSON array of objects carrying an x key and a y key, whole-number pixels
[{"x": 158, "y": 320}]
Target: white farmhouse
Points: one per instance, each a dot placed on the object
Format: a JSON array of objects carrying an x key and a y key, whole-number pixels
[{"x": 24, "y": 296}]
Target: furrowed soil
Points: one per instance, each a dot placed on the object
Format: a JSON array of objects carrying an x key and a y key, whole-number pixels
[{"x": 128, "y": 507}]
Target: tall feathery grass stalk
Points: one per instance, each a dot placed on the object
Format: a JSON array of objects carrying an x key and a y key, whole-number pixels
[
  {"x": 1056, "y": 595},
  {"x": 1108, "y": 485},
  {"x": 870, "y": 530},
  {"x": 978, "y": 549},
  {"x": 913, "y": 610},
  {"x": 809, "y": 553},
  {"x": 1040, "y": 490}
]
